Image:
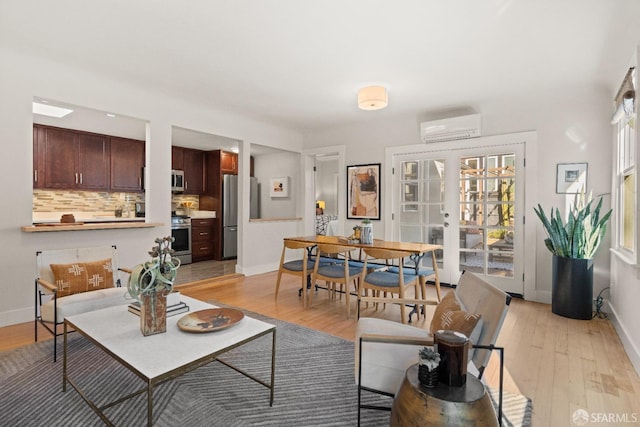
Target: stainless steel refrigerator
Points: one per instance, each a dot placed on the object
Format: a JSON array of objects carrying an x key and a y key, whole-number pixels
[{"x": 230, "y": 212}]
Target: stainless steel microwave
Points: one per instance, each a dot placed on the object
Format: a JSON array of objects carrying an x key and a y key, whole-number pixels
[{"x": 177, "y": 181}]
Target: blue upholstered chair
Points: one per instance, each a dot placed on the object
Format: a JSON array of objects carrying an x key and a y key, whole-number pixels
[
  {"x": 388, "y": 281},
  {"x": 298, "y": 267},
  {"x": 341, "y": 272}
]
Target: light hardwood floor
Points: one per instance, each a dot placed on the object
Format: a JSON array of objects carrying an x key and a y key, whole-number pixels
[{"x": 561, "y": 364}]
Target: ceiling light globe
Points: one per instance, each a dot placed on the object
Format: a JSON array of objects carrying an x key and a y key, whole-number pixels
[{"x": 372, "y": 98}]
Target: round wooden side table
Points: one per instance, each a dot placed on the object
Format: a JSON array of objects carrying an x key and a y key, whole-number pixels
[{"x": 443, "y": 405}]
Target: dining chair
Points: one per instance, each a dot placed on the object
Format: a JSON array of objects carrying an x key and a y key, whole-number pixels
[
  {"x": 341, "y": 272},
  {"x": 298, "y": 267},
  {"x": 387, "y": 281}
]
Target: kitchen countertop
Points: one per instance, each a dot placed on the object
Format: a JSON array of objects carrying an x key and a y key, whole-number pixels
[
  {"x": 92, "y": 220},
  {"x": 82, "y": 226}
]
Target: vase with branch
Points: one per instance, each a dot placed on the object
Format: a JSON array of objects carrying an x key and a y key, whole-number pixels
[{"x": 151, "y": 282}]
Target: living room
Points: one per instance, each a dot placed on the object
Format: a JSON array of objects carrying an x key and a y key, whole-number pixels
[{"x": 502, "y": 43}]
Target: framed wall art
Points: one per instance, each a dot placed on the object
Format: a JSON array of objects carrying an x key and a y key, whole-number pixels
[
  {"x": 280, "y": 187},
  {"x": 571, "y": 178},
  {"x": 363, "y": 191}
]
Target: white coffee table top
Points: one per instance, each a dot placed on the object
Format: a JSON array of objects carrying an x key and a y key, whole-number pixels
[{"x": 118, "y": 331}]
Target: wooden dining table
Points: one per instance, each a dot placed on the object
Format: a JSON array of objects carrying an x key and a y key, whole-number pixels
[{"x": 417, "y": 252}]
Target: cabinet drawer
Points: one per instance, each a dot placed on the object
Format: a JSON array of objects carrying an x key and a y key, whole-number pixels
[
  {"x": 201, "y": 222},
  {"x": 201, "y": 234},
  {"x": 202, "y": 249}
]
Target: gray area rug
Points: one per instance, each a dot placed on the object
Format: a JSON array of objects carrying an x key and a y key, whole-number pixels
[{"x": 314, "y": 387}]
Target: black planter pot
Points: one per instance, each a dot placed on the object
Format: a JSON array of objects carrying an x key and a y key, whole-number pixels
[{"x": 572, "y": 287}]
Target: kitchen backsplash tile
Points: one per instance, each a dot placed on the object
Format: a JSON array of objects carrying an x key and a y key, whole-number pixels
[
  {"x": 84, "y": 201},
  {"x": 92, "y": 201},
  {"x": 180, "y": 201}
]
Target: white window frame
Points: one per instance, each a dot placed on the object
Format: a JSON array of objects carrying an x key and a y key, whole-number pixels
[{"x": 626, "y": 166}]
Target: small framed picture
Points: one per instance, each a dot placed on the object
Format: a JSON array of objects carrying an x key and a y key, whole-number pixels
[
  {"x": 571, "y": 178},
  {"x": 280, "y": 187}
]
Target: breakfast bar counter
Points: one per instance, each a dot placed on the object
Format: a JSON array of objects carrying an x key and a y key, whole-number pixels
[{"x": 80, "y": 226}]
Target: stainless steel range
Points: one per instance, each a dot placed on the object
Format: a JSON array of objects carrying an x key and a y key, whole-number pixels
[{"x": 181, "y": 232}]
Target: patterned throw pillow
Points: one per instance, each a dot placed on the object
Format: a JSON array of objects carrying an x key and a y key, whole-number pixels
[
  {"x": 448, "y": 303},
  {"x": 449, "y": 316},
  {"x": 82, "y": 276}
]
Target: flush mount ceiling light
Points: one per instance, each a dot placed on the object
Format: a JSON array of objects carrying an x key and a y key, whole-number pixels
[
  {"x": 372, "y": 98},
  {"x": 50, "y": 110}
]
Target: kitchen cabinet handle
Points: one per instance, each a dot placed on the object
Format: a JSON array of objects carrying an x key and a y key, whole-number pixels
[
  {"x": 76, "y": 177},
  {"x": 35, "y": 176},
  {"x": 205, "y": 248},
  {"x": 80, "y": 178},
  {"x": 204, "y": 234}
]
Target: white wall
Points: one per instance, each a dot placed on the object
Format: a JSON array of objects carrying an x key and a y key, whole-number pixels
[
  {"x": 278, "y": 165},
  {"x": 572, "y": 126},
  {"x": 21, "y": 78}
]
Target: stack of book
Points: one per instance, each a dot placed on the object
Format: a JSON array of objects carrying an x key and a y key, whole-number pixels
[{"x": 174, "y": 305}]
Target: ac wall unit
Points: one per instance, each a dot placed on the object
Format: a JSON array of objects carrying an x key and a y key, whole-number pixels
[{"x": 450, "y": 129}]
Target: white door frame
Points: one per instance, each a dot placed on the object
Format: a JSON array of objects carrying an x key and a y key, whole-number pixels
[
  {"x": 529, "y": 234},
  {"x": 309, "y": 200}
]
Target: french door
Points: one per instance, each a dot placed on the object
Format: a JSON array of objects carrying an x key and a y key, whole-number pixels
[{"x": 470, "y": 201}]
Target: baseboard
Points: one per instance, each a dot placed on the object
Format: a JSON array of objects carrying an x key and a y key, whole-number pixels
[
  {"x": 633, "y": 352},
  {"x": 258, "y": 269},
  {"x": 543, "y": 297},
  {"x": 13, "y": 317}
]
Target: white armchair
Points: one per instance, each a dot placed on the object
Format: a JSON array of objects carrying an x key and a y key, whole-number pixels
[
  {"x": 74, "y": 281},
  {"x": 386, "y": 349}
]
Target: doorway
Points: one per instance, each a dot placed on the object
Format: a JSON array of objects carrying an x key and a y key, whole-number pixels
[
  {"x": 324, "y": 171},
  {"x": 471, "y": 201}
]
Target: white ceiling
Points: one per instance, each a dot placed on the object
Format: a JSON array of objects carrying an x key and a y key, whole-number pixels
[{"x": 299, "y": 63}]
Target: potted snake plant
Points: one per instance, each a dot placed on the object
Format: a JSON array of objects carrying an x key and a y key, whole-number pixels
[{"x": 574, "y": 244}]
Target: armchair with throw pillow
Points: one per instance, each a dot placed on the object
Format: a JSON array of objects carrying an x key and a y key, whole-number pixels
[{"x": 386, "y": 349}]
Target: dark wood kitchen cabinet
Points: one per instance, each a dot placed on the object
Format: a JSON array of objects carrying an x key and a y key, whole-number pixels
[
  {"x": 193, "y": 171},
  {"x": 38, "y": 157},
  {"x": 93, "y": 162},
  {"x": 127, "y": 165},
  {"x": 177, "y": 158},
  {"x": 72, "y": 160},
  {"x": 202, "y": 238},
  {"x": 228, "y": 163},
  {"x": 191, "y": 161}
]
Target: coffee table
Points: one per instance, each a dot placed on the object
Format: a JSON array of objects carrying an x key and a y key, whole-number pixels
[{"x": 117, "y": 333}]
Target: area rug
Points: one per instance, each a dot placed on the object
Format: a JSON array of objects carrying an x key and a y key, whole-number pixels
[{"x": 314, "y": 387}]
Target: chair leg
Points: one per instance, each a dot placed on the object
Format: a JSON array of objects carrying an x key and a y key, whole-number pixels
[
  {"x": 278, "y": 283},
  {"x": 55, "y": 341},
  {"x": 346, "y": 298},
  {"x": 307, "y": 294},
  {"x": 403, "y": 310}
]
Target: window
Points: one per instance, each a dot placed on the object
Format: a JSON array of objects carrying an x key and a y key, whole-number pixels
[
  {"x": 625, "y": 168},
  {"x": 625, "y": 183}
]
